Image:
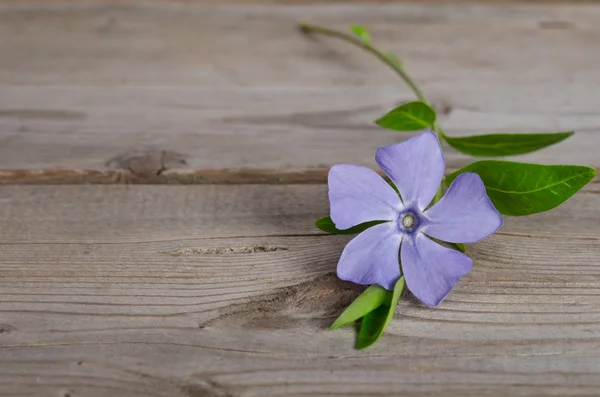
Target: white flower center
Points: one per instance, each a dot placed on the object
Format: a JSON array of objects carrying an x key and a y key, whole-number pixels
[{"x": 408, "y": 221}]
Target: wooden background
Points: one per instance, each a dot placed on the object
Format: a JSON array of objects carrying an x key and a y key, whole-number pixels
[{"x": 162, "y": 164}]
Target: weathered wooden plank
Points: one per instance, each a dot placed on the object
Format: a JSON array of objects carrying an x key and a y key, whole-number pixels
[
  {"x": 196, "y": 45},
  {"x": 115, "y": 214},
  {"x": 213, "y": 128},
  {"x": 109, "y": 80},
  {"x": 228, "y": 291}
]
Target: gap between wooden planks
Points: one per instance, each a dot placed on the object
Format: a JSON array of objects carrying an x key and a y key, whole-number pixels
[
  {"x": 155, "y": 176},
  {"x": 228, "y": 291}
]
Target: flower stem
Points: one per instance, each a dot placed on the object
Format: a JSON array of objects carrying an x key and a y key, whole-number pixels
[{"x": 384, "y": 57}]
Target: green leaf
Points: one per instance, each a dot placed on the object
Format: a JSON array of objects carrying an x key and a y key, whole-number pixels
[
  {"x": 523, "y": 189},
  {"x": 438, "y": 194},
  {"x": 460, "y": 246},
  {"x": 375, "y": 322},
  {"x": 327, "y": 225},
  {"x": 411, "y": 116},
  {"x": 505, "y": 144},
  {"x": 369, "y": 300},
  {"x": 362, "y": 33},
  {"x": 395, "y": 188},
  {"x": 372, "y": 326}
]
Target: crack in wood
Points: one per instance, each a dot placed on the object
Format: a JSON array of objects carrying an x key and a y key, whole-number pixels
[
  {"x": 313, "y": 303},
  {"x": 166, "y": 176},
  {"x": 142, "y": 163},
  {"x": 207, "y": 388},
  {"x": 547, "y": 236},
  {"x": 43, "y": 114},
  {"x": 6, "y": 329},
  {"x": 226, "y": 250}
]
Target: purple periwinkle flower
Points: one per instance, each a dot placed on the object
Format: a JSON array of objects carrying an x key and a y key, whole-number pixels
[{"x": 464, "y": 214}]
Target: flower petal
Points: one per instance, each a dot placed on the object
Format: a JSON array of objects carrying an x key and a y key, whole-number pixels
[
  {"x": 430, "y": 270},
  {"x": 358, "y": 194},
  {"x": 372, "y": 257},
  {"x": 465, "y": 214},
  {"x": 416, "y": 166}
]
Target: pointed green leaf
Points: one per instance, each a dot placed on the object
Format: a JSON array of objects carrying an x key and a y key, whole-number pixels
[
  {"x": 523, "y": 189},
  {"x": 461, "y": 247},
  {"x": 327, "y": 225},
  {"x": 369, "y": 300},
  {"x": 362, "y": 33},
  {"x": 374, "y": 323},
  {"x": 395, "y": 188},
  {"x": 505, "y": 144},
  {"x": 411, "y": 116},
  {"x": 372, "y": 326}
]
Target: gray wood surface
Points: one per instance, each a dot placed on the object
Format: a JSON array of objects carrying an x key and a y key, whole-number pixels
[
  {"x": 237, "y": 86},
  {"x": 207, "y": 290},
  {"x": 228, "y": 291}
]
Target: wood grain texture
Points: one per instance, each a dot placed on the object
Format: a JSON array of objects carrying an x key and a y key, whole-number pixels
[
  {"x": 287, "y": 2},
  {"x": 228, "y": 290},
  {"x": 110, "y": 81},
  {"x": 182, "y": 177}
]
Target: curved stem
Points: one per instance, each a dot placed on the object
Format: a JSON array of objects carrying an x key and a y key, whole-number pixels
[
  {"x": 383, "y": 57},
  {"x": 388, "y": 59}
]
